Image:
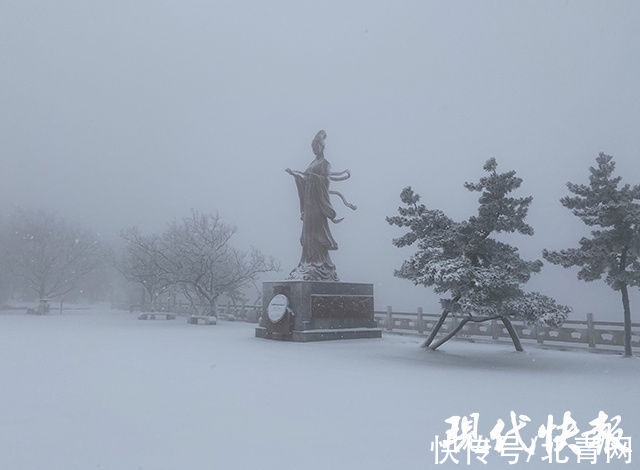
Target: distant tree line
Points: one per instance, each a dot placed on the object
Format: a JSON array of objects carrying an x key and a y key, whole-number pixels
[{"x": 44, "y": 257}]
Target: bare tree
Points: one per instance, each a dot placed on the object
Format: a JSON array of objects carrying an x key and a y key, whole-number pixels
[
  {"x": 145, "y": 262},
  {"x": 47, "y": 256},
  {"x": 203, "y": 260}
]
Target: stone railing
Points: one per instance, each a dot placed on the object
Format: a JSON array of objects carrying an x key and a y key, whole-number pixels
[{"x": 588, "y": 333}]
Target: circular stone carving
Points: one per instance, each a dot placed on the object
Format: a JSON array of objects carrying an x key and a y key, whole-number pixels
[{"x": 277, "y": 308}]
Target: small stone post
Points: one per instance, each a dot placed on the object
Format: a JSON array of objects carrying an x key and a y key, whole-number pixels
[
  {"x": 591, "y": 336},
  {"x": 419, "y": 324},
  {"x": 539, "y": 334},
  {"x": 453, "y": 322},
  {"x": 389, "y": 321},
  {"x": 495, "y": 333}
]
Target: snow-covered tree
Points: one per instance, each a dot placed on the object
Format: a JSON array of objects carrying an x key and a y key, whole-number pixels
[
  {"x": 195, "y": 257},
  {"x": 48, "y": 256},
  {"x": 481, "y": 276},
  {"x": 145, "y": 262},
  {"x": 613, "y": 250},
  {"x": 204, "y": 262}
]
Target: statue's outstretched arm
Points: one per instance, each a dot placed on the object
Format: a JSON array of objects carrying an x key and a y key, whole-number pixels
[
  {"x": 340, "y": 175},
  {"x": 294, "y": 172}
]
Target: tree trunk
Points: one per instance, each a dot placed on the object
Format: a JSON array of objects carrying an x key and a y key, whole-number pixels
[
  {"x": 627, "y": 321},
  {"x": 450, "y": 335},
  {"x": 435, "y": 330},
  {"x": 143, "y": 298},
  {"x": 213, "y": 311},
  {"x": 512, "y": 333},
  {"x": 42, "y": 291},
  {"x": 153, "y": 299}
]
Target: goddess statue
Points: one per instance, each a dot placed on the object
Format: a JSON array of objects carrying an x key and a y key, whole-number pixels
[{"x": 316, "y": 211}]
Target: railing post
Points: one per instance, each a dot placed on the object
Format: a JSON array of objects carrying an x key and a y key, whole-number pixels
[
  {"x": 453, "y": 322},
  {"x": 495, "y": 334},
  {"x": 539, "y": 338},
  {"x": 591, "y": 336},
  {"x": 419, "y": 325},
  {"x": 389, "y": 318}
]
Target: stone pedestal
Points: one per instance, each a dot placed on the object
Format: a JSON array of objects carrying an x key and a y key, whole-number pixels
[{"x": 319, "y": 310}]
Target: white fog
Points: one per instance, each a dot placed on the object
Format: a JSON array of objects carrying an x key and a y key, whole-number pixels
[{"x": 126, "y": 114}]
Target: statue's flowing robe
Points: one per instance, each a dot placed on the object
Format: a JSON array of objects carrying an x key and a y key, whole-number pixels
[{"x": 316, "y": 210}]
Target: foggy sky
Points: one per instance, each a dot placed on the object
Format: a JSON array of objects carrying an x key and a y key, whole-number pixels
[{"x": 127, "y": 113}]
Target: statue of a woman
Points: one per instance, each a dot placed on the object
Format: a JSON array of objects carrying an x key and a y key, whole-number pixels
[{"x": 315, "y": 211}]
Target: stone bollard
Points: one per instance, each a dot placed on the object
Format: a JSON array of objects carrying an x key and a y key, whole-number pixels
[{"x": 591, "y": 336}]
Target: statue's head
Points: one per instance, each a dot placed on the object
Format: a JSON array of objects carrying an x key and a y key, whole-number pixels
[{"x": 318, "y": 143}]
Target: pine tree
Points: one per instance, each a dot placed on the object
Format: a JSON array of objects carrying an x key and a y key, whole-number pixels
[
  {"x": 481, "y": 275},
  {"x": 612, "y": 251}
]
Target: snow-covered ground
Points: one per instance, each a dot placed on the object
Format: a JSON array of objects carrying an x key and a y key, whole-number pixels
[{"x": 102, "y": 390}]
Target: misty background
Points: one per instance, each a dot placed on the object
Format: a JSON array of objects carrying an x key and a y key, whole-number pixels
[{"x": 118, "y": 113}]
